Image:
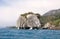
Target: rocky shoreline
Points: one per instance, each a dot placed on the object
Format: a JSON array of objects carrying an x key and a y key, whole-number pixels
[
  {"x": 55, "y": 28},
  {"x": 31, "y": 20}
]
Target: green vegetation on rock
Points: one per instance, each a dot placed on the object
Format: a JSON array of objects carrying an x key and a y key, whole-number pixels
[
  {"x": 56, "y": 22},
  {"x": 52, "y": 16}
]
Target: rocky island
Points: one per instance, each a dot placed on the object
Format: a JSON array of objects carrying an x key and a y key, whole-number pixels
[{"x": 30, "y": 20}]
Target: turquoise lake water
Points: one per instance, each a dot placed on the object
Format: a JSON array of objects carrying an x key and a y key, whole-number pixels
[{"x": 29, "y": 34}]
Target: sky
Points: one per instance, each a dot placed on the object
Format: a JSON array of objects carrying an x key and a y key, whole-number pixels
[{"x": 11, "y": 9}]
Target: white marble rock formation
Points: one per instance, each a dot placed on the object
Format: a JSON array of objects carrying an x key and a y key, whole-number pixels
[
  {"x": 33, "y": 21},
  {"x": 21, "y": 22}
]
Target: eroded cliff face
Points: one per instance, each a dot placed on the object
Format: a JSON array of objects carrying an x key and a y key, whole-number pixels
[
  {"x": 21, "y": 22},
  {"x": 30, "y": 20},
  {"x": 33, "y": 21}
]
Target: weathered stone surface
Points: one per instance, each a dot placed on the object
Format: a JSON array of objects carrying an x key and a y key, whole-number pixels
[
  {"x": 30, "y": 20},
  {"x": 33, "y": 21},
  {"x": 21, "y": 22},
  {"x": 49, "y": 25}
]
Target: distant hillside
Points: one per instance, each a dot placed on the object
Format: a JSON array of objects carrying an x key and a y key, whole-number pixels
[
  {"x": 51, "y": 16},
  {"x": 52, "y": 12}
]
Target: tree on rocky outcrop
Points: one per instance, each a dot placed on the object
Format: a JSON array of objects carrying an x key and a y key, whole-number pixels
[{"x": 25, "y": 14}]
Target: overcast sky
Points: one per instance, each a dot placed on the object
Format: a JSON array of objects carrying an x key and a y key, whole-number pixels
[{"x": 11, "y": 9}]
